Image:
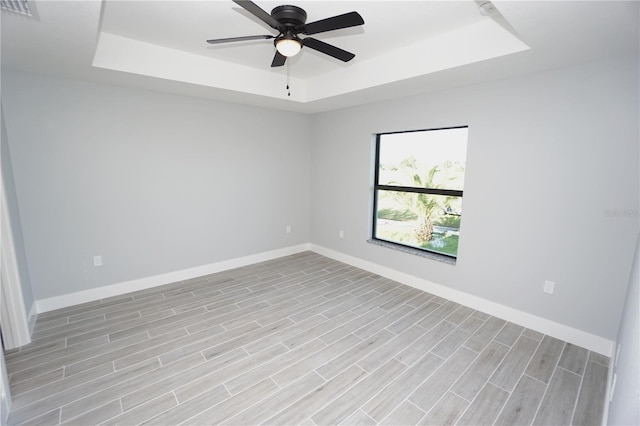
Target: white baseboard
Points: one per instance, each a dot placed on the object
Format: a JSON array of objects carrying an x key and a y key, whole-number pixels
[
  {"x": 33, "y": 316},
  {"x": 559, "y": 331},
  {"x": 65, "y": 300},
  {"x": 5, "y": 408}
]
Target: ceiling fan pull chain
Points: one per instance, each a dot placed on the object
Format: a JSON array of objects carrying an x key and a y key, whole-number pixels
[{"x": 288, "y": 76}]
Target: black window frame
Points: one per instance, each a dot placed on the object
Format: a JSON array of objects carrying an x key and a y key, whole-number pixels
[{"x": 431, "y": 191}]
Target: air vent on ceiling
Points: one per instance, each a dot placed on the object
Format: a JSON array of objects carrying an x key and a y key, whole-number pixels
[{"x": 17, "y": 6}]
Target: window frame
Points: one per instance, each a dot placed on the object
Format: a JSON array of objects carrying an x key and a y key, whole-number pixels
[{"x": 430, "y": 191}]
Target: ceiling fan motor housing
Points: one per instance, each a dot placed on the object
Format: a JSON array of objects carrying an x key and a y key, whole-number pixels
[
  {"x": 289, "y": 16},
  {"x": 290, "y": 21}
]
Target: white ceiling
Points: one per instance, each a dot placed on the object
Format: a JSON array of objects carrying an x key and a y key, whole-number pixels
[{"x": 405, "y": 47}]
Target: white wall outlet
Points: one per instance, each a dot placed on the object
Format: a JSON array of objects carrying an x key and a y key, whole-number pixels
[
  {"x": 341, "y": 234},
  {"x": 548, "y": 287},
  {"x": 288, "y": 229},
  {"x": 97, "y": 260}
]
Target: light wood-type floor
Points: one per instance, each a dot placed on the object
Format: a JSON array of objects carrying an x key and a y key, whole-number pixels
[{"x": 298, "y": 340}]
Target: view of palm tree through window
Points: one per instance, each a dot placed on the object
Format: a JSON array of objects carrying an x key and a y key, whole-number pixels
[{"x": 418, "y": 188}]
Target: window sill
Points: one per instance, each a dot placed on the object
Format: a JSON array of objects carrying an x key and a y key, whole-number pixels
[{"x": 429, "y": 255}]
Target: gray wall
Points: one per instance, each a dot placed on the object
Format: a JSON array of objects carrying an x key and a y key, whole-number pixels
[
  {"x": 157, "y": 183},
  {"x": 551, "y": 188},
  {"x": 154, "y": 183},
  {"x": 625, "y": 405},
  {"x": 14, "y": 218}
]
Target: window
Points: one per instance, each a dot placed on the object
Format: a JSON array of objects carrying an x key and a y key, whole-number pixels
[{"x": 419, "y": 178}]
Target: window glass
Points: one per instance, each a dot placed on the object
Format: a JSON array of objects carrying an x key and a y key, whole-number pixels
[{"x": 419, "y": 188}]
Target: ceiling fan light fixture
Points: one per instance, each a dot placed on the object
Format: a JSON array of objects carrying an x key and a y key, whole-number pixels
[{"x": 288, "y": 47}]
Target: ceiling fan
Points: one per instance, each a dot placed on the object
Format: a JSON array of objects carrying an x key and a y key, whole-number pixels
[{"x": 290, "y": 22}]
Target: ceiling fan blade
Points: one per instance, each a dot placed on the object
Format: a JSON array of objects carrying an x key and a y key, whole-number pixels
[
  {"x": 351, "y": 19},
  {"x": 245, "y": 38},
  {"x": 278, "y": 60},
  {"x": 258, "y": 12},
  {"x": 328, "y": 49}
]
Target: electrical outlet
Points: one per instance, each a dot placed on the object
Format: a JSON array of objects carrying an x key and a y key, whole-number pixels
[
  {"x": 97, "y": 260},
  {"x": 288, "y": 229},
  {"x": 341, "y": 234},
  {"x": 548, "y": 287}
]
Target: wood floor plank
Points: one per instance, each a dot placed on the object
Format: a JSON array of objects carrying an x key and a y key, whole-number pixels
[
  {"x": 42, "y": 392},
  {"x": 442, "y": 311},
  {"x": 316, "y": 360},
  {"x": 532, "y": 334},
  {"x": 60, "y": 399},
  {"x": 383, "y": 321},
  {"x": 420, "y": 299},
  {"x": 350, "y": 304},
  {"x": 299, "y": 306},
  {"x": 481, "y": 338},
  {"x": 590, "y": 404},
  {"x": 425, "y": 343},
  {"x": 354, "y": 354},
  {"x": 472, "y": 380},
  {"x": 559, "y": 400},
  {"x": 28, "y": 351},
  {"x": 376, "y": 302},
  {"x": 323, "y": 308},
  {"x": 208, "y": 381},
  {"x": 359, "y": 418},
  {"x": 599, "y": 358},
  {"x": 165, "y": 325},
  {"x": 544, "y": 361},
  {"x": 509, "y": 334},
  {"x": 405, "y": 414},
  {"x": 457, "y": 337},
  {"x": 523, "y": 403},
  {"x": 97, "y": 399},
  {"x": 391, "y": 349},
  {"x": 126, "y": 351},
  {"x": 413, "y": 317},
  {"x": 284, "y": 334},
  {"x": 446, "y": 411},
  {"x": 317, "y": 398},
  {"x": 46, "y": 419},
  {"x": 485, "y": 407},
  {"x": 247, "y": 338},
  {"x": 111, "y": 326},
  {"x": 514, "y": 363},
  {"x": 97, "y": 415},
  {"x": 66, "y": 356},
  {"x": 400, "y": 299},
  {"x": 259, "y": 412},
  {"x": 342, "y": 407},
  {"x": 319, "y": 330},
  {"x": 458, "y": 316},
  {"x": 169, "y": 384},
  {"x": 189, "y": 409},
  {"x": 390, "y": 397},
  {"x": 253, "y": 376},
  {"x": 227, "y": 408},
  {"x": 144, "y": 412},
  {"x": 428, "y": 394},
  {"x": 573, "y": 358},
  {"x": 351, "y": 326},
  {"x": 200, "y": 341},
  {"x": 36, "y": 382}
]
